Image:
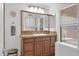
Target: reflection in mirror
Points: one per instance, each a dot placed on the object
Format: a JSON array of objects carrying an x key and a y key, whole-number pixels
[
  {"x": 69, "y": 25},
  {"x": 52, "y": 23},
  {"x": 45, "y": 22},
  {"x": 28, "y": 21}
]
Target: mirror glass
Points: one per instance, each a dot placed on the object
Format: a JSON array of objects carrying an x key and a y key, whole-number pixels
[
  {"x": 37, "y": 22},
  {"x": 52, "y": 23},
  {"x": 45, "y": 22},
  {"x": 28, "y": 22}
]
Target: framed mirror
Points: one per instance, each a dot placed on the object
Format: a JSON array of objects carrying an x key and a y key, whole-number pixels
[{"x": 37, "y": 22}]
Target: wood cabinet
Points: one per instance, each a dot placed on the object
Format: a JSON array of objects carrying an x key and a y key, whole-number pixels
[
  {"x": 42, "y": 46},
  {"x": 46, "y": 46},
  {"x": 28, "y": 47},
  {"x": 38, "y": 46},
  {"x": 52, "y": 49}
]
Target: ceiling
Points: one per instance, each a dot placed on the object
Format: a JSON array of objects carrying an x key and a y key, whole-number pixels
[{"x": 43, "y": 5}]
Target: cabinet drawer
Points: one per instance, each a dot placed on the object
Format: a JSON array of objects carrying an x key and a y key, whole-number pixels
[
  {"x": 54, "y": 37},
  {"x": 38, "y": 39},
  {"x": 25, "y": 40},
  {"x": 46, "y": 39}
]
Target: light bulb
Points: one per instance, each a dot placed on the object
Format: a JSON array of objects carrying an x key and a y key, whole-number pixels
[
  {"x": 35, "y": 10},
  {"x": 31, "y": 9}
]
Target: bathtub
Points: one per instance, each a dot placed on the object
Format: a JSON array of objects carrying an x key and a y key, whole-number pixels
[{"x": 64, "y": 49}]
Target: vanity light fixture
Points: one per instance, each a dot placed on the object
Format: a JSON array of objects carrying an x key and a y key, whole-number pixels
[{"x": 36, "y": 9}]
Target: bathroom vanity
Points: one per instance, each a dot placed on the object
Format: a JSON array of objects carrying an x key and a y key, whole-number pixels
[
  {"x": 37, "y": 35},
  {"x": 38, "y": 45}
]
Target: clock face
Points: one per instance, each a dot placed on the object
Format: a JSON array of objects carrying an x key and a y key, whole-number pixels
[{"x": 13, "y": 13}]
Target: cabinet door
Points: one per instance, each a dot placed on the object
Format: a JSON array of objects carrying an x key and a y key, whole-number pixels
[
  {"x": 46, "y": 46},
  {"x": 38, "y": 47},
  {"x": 53, "y": 41},
  {"x": 52, "y": 49},
  {"x": 28, "y": 47}
]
